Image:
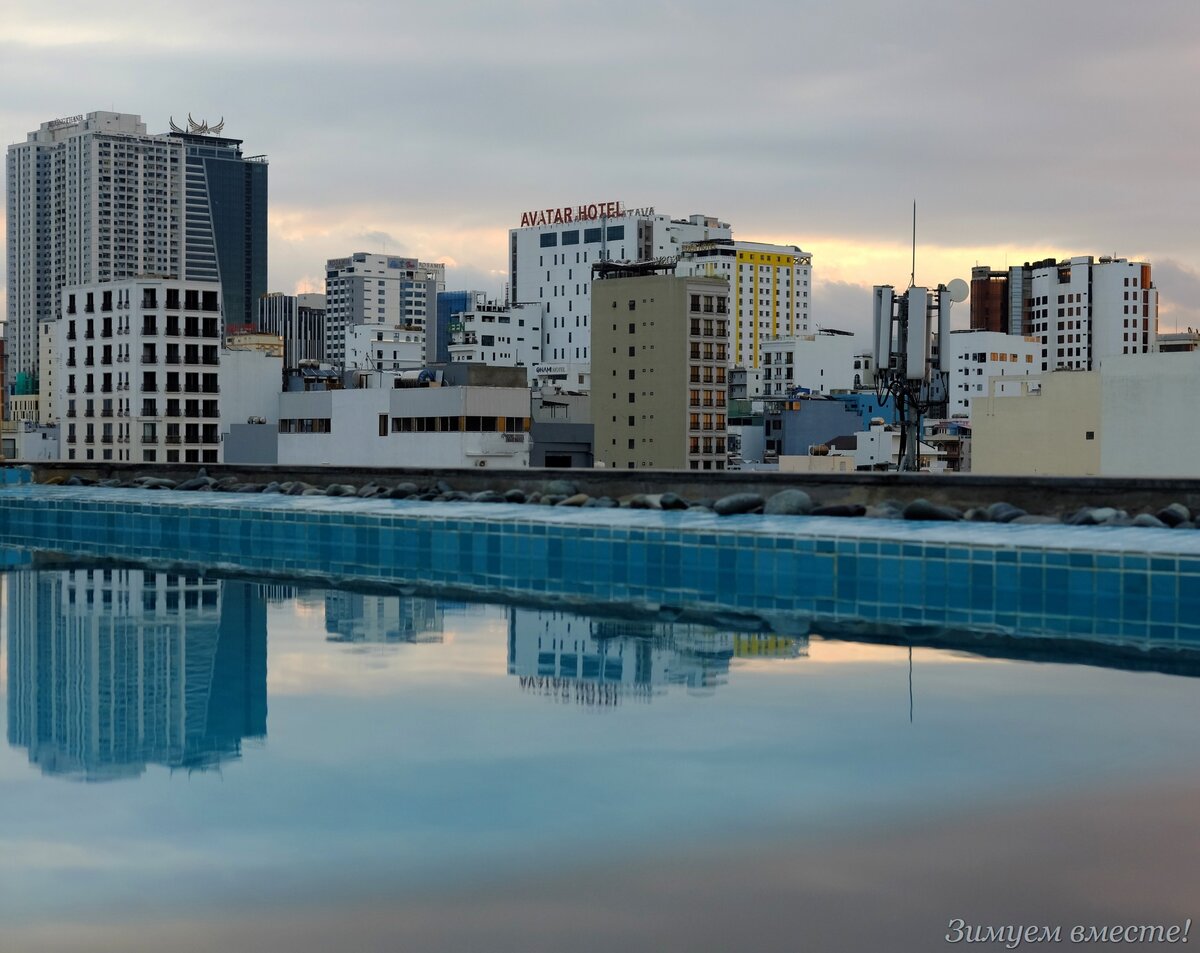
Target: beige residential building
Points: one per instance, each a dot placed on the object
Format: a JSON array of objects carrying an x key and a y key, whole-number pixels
[
  {"x": 660, "y": 364},
  {"x": 1135, "y": 416}
]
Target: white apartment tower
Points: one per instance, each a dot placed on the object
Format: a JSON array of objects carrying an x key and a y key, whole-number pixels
[
  {"x": 499, "y": 335},
  {"x": 1082, "y": 309},
  {"x": 551, "y": 255},
  {"x": 366, "y": 289},
  {"x": 140, "y": 373},
  {"x": 1085, "y": 309}
]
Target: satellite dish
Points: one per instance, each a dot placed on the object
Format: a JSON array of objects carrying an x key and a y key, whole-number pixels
[{"x": 958, "y": 290}]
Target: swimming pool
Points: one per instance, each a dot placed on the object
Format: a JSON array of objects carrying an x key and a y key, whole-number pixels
[{"x": 310, "y": 722}]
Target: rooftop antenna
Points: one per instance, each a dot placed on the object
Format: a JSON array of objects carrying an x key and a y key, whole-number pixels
[{"x": 912, "y": 278}]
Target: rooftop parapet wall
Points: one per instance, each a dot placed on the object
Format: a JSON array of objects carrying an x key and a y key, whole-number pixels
[{"x": 1036, "y": 494}]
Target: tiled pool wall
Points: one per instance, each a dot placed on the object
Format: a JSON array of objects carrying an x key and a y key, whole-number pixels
[{"x": 1125, "y": 586}]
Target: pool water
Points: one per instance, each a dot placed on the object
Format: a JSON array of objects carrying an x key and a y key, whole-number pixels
[{"x": 203, "y": 760}]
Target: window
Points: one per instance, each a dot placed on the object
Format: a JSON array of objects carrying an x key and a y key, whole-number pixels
[
  {"x": 571, "y": 237},
  {"x": 616, "y": 232},
  {"x": 549, "y": 239},
  {"x": 383, "y": 425}
]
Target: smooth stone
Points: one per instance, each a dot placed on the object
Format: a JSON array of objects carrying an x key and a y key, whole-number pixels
[
  {"x": 272, "y": 487},
  {"x": 789, "y": 503},
  {"x": 341, "y": 489},
  {"x": 883, "y": 513},
  {"x": 157, "y": 483},
  {"x": 111, "y": 481},
  {"x": 1149, "y": 520},
  {"x": 427, "y": 496},
  {"x": 924, "y": 510},
  {"x": 195, "y": 483},
  {"x": 1107, "y": 515},
  {"x": 299, "y": 488},
  {"x": 1174, "y": 514},
  {"x": 1030, "y": 519},
  {"x": 562, "y": 488},
  {"x": 700, "y": 505},
  {"x": 56, "y": 480},
  {"x": 534, "y": 497},
  {"x": 369, "y": 490},
  {"x": 312, "y": 491},
  {"x": 488, "y": 496},
  {"x": 671, "y": 501},
  {"x": 579, "y": 499},
  {"x": 73, "y": 480},
  {"x": 1186, "y": 524},
  {"x": 643, "y": 501},
  {"x": 1002, "y": 512},
  {"x": 606, "y": 502},
  {"x": 839, "y": 509},
  {"x": 552, "y": 499},
  {"x": 406, "y": 489},
  {"x": 514, "y": 496},
  {"x": 443, "y": 487},
  {"x": 737, "y": 503},
  {"x": 226, "y": 483}
]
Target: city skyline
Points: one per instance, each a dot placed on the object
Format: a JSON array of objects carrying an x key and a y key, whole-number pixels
[{"x": 1020, "y": 136}]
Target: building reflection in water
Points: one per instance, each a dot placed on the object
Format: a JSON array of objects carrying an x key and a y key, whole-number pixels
[
  {"x": 604, "y": 662},
  {"x": 360, "y": 618},
  {"x": 112, "y": 669}
]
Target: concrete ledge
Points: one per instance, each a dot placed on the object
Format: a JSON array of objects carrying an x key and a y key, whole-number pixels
[{"x": 1037, "y": 494}]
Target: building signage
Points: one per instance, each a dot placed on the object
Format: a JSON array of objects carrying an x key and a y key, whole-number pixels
[
  {"x": 550, "y": 370},
  {"x": 580, "y": 213},
  {"x": 63, "y": 123}
]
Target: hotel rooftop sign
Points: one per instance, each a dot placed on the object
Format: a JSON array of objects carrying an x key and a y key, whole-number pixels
[{"x": 580, "y": 213}]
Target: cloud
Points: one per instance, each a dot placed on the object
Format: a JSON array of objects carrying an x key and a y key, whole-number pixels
[
  {"x": 816, "y": 124},
  {"x": 1178, "y": 295}
]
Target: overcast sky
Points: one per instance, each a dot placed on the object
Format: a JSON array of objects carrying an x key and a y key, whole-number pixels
[{"x": 1023, "y": 130}]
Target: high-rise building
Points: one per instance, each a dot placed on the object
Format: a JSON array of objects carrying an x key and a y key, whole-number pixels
[
  {"x": 97, "y": 198},
  {"x": 770, "y": 285},
  {"x": 1083, "y": 309},
  {"x": 225, "y": 209},
  {"x": 299, "y": 320},
  {"x": 112, "y": 669},
  {"x": 366, "y": 289},
  {"x": 550, "y": 264},
  {"x": 660, "y": 368}
]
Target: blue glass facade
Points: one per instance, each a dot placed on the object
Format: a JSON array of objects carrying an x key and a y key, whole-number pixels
[
  {"x": 226, "y": 222},
  {"x": 449, "y": 303}
]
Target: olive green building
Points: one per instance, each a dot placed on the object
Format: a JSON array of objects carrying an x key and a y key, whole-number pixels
[{"x": 660, "y": 366}]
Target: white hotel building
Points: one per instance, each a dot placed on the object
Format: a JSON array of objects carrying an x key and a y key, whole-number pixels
[{"x": 550, "y": 265}]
